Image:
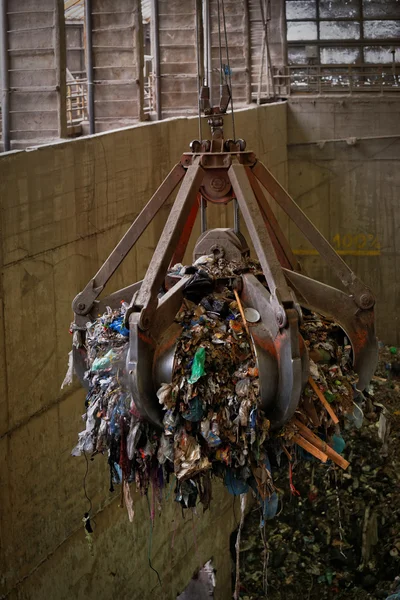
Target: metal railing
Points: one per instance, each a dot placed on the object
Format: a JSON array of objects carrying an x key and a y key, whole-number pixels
[
  {"x": 148, "y": 85},
  {"x": 333, "y": 79},
  {"x": 76, "y": 101}
]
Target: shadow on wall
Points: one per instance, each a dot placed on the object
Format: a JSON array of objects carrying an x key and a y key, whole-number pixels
[{"x": 202, "y": 585}]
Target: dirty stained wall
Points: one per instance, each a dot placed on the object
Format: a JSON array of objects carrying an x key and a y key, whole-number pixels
[
  {"x": 350, "y": 190},
  {"x": 63, "y": 208}
]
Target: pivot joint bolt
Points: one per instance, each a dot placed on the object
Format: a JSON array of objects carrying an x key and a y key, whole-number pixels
[
  {"x": 281, "y": 317},
  {"x": 366, "y": 300}
]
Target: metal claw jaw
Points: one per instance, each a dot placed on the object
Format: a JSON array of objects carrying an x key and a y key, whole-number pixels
[
  {"x": 281, "y": 354},
  {"x": 151, "y": 353},
  {"x": 358, "y": 324}
]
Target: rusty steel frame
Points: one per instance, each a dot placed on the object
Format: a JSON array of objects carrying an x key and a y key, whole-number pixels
[
  {"x": 83, "y": 302},
  {"x": 245, "y": 174},
  {"x": 186, "y": 233},
  {"x": 145, "y": 300},
  {"x": 361, "y": 293},
  {"x": 282, "y": 248}
]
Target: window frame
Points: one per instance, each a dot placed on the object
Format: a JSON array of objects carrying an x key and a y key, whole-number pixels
[{"x": 361, "y": 43}]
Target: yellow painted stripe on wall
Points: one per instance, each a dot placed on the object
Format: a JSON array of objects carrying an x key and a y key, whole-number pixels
[{"x": 340, "y": 252}]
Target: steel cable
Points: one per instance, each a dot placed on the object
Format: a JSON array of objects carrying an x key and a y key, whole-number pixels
[{"x": 229, "y": 70}]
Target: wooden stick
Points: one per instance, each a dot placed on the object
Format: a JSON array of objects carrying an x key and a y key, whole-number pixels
[
  {"x": 300, "y": 441},
  {"x": 321, "y": 445},
  {"x": 245, "y": 324},
  {"x": 241, "y": 311},
  {"x": 286, "y": 451},
  {"x": 323, "y": 400},
  {"x": 376, "y": 378}
]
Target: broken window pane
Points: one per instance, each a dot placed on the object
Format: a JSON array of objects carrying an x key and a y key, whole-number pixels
[
  {"x": 301, "y": 30},
  {"x": 336, "y": 9},
  {"x": 301, "y": 10},
  {"x": 302, "y": 55},
  {"x": 339, "y": 30},
  {"x": 340, "y": 56},
  {"x": 380, "y": 55},
  {"x": 381, "y": 29},
  {"x": 297, "y": 56},
  {"x": 381, "y": 8}
]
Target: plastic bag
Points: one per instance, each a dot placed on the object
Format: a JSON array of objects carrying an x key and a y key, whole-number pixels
[
  {"x": 104, "y": 362},
  {"x": 234, "y": 485},
  {"x": 70, "y": 371},
  {"x": 133, "y": 438},
  {"x": 219, "y": 307},
  {"x": 195, "y": 410},
  {"x": 164, "y": 395},
  {"x": 244, "y": 410},
  {"x": 118, "y": 326},
  {"x": 169, "y": 422},
  {"x": 198, "y": 369},
  {"x": 243, "y": 387},
  {"x": 199, "y": 285},
  {"x": 338, "y": 443},
  {"x": 270, "y": 506},
  {"x": 165, "y": 450},
  {"x": 212, "y": 438}
]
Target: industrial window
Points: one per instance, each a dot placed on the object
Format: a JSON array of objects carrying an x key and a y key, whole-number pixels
[{"x": 343, "y": 32}]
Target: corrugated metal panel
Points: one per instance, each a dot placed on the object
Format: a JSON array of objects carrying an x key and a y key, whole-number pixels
[
  {"x": 74, "y": 11},
  {"x": 146, "y": 11}
]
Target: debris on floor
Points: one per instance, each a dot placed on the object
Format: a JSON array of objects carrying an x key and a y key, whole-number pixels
[{"x": 340, "y": 536}]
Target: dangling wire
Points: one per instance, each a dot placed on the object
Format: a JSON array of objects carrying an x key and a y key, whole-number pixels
[
  {"x": 221, "y": 81},
  {"x": 229, "y": 70},
  {"x": 87, "y": 520},
  {"x": 206, "y": 23},
  {"x": 198, "y": 70},
  {"x": 151, "y": 541},
  {"x": 84, "y": 483}
]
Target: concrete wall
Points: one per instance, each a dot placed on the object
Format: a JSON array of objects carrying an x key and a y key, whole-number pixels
[
  {"x": 351, "y": 192},
  {"x": 63, "y": 208}
]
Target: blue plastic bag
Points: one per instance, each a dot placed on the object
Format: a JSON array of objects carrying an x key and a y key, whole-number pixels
[
  {"x": 118, "y": 326},
  {"x": 234, "y": 485}
]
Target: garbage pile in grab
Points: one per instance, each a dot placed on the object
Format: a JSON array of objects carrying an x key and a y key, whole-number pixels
[{"x": 213, "y": 424}]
